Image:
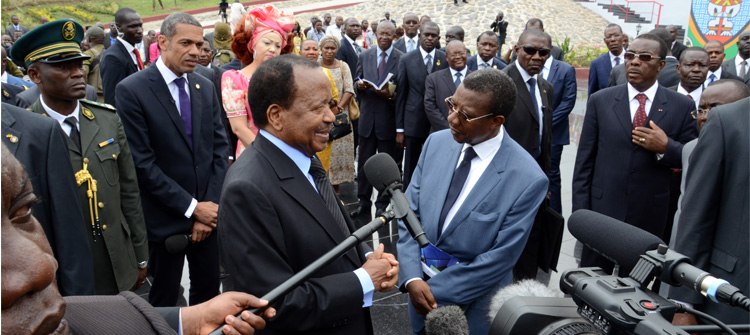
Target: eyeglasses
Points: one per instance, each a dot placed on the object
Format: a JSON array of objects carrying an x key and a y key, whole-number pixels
[
  {"x": 700, "y": 113},
  {"x": 452, "y": 107},
  {"x": 532, "y": 50},
  {"x": 641, "y": 57}
]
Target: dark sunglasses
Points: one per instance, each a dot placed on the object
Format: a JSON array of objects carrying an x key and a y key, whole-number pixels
[
  {"x": 529, "y": 50},
  {"x": 641, "y": 57},
  {"x": 411, "y": 22}
]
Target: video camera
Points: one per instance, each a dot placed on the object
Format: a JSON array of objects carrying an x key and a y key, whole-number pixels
[{"x": 604, "y": 304}]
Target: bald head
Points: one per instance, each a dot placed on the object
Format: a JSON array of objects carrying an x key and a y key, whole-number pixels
[{"x": 454, "y": 33}]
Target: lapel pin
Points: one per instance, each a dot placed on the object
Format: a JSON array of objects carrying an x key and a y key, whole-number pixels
[
  {"x": 12, "y": 138},
  {"x": 494, "y": 67},
  {"x": 197, "y": 87},
  {"x": 438, "y": 62}
]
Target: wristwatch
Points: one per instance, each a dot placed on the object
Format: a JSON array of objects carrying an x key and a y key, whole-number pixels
[{"x": 142, "y": 265}]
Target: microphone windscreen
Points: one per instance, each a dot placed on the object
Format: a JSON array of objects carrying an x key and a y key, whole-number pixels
[
  {"x": 618, "y": 241},
  {"x": 524, "y": 288},
  {"x": 381, "y": 171},
  {"x": 446, "y": 320},
  {"x": 176, "y": 243}
]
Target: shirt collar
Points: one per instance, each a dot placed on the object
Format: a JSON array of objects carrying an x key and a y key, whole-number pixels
[
  {"x": 415, "y": 39},
  {"x": 57, "y": 116},
  {"x": 166, "y": 73},
  {"x": 127, "y": 45},
  {"x": 5, "y": 77},
  {"x": 717, "y": 73},
  {"x": 480, "y": 61},
  {"x": 612, "y": 56},
  {"x": 349, "y": 39},
  {"x": 695, "y": 94},
  {"x": 650, "y": 92},
  {"x": 299, "y": 159},
  {"x": 489, "y": 147},
  {"x": 525, "y": 75},
  {"x": 387, "y": 51},
  {"x": 463, "y": 72},
  {"x": 738, "y": 59},
  {"x": 425, "y": 53},
  {"x": 548, "y": 63}
]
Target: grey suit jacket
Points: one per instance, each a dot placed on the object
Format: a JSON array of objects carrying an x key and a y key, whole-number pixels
[
  {"x": 11, "y": 29},
  {"x": 729, "y": 67},
  {"x": 122, "y": 314},
  {"x": 714, "y": 230},
  {"x": 668, "y": 76},
  {"x": 438, "y": 86},
  {"x": 377, "y": 114}
]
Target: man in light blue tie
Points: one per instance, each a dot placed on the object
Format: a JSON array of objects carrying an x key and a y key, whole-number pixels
[
  {"x": 410, "y": 41},
  {"x": 716, "y": 56}
]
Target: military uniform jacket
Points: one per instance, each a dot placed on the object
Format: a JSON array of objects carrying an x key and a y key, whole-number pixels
[
  {"x": 105, "y": 147},
  {"x": 93, "y": 77}
]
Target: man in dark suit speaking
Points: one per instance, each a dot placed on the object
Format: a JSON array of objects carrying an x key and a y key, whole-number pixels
[
  {"x": 173, "y": 123},
  {"x": 624, "y": 163},
  {"x": 279, "y": 212}
]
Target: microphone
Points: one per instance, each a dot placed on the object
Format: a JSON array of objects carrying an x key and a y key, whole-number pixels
[
  {"x": 597, "y": 232},
  {"x": 594, "y": 230},
  {"x": 524, "y": 288},
  {"x": 446, "y": 320},
  {"x": 177, "y": 243},
  {"x": 383, "y": 174}
]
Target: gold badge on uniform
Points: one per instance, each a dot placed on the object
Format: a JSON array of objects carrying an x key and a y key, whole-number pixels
[
  {"x": 12, "y": 138},
  {"x": 6, "y": 94},
  {"x": 87, "y": 113},
  {"x": 69, "y": 31}
]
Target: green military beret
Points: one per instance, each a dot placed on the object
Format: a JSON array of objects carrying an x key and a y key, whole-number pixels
[{"x": 53, "y": 42}]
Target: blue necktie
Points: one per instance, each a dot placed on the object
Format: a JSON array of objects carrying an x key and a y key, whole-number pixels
[
  {"x": 410, "y": 46},
  {"x": 186, "y": 113},
  {"x": 617, "y": 61},
  {"x": 712, "y": 77},
  {"x": 532, "y": 90},
  {"x": 457, "y": 184},
  {"x": 458, "y": 79}
]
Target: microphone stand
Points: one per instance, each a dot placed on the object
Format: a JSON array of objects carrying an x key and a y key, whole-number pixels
[{"x": 350, "y": 242}]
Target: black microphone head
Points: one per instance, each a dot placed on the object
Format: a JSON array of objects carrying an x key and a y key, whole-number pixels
[
  {"x": 446, "y": 320},
  {"x": 381, "y": 171},
  {"x": 176, "y": 243},
  {"x": 618, "y": 241}
]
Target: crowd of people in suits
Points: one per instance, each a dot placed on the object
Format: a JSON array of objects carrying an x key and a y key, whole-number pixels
[{"x": 223, "y": 140}]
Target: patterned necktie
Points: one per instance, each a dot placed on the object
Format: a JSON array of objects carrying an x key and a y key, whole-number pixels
[
  {"x": 617, "y": 61},
  {"x": 458, "y": 79},
  {"x": 326, "y": 192},
  {"x": 712, "y": 77},
  {"x": 357, "y": 48},
  {"x": 640, "y": 114},
  {"x": 428, "y": 63},
  {"x": 483, "y": 66},
  {"x": 186, "y": 113},
  {"x": 138, "y": 58},
  {"x": 540, "y": 117},
  {"x": 410, "y": 47},
  {"x": 75, "y": 136},
  {"x": 381, "y": 67},
  {"x": 743, "y": 69},
  {"x": 457, "y": 184}
]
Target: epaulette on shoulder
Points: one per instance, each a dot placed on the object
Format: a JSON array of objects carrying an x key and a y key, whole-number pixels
[{"x": 99, "y": 104}]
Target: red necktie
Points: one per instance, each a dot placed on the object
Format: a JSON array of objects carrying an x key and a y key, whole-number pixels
[
  {"x": 640, "y": 114},
  {"x": 691, "y": 98},
  {"x": 138, "y": 57}
]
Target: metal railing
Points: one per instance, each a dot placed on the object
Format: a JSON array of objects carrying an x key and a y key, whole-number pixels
[{"x": 628, "y": 9}]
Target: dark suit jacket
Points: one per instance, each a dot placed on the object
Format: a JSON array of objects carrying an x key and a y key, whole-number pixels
[
  {"x": 668, "y": 76},
  {"x": 562, "y": 76},
  {"x": 410, "y": 114},
  {"x": 274, "y": 223},
  {"x": 729, "y": 67},
  {"x": 107, "y": 42},
  {"x": 12, "y": 29},
  {"x": 122, "y": 314},
  {"x": 599, "y": 73},
  {"x": 620, "y": 179},
  {"x": 377, "y": 114},
  {"x": 347, "y": 54},
  {"x": 496, "y": 63},
  {"x": 10, "y": 95},
  {"x": 214, "y": 75},
  {"x": 401, "y": 44},
  {"x": 713, "y": 224},
  {"x": 438, "y": 86},
  {"x": 31, "y": 95},
  {"x": 523, "y": 123},
  {"x": 170, "y": 172},
  {"x": 40, "y": 147},
  {"x": 677, "y": 49},
  {"x": 617, "y": 76},
  {"x": 116, "y": 65}
]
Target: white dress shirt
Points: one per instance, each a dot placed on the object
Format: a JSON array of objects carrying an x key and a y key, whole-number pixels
[
  {"x": 546, "y": 68},
  {"x": 716, "y": 73},
  {"x": 453, "y": 74},
  {"x": 612, "y": 57},
  {"x": 130, "y": 49},
  {"x": 650, "y": 94},
  {"x": 61, "y": 118},
  {"x": 538, "y": 96},
  {"x": 334, "y": 31},
  {"x": 737, "y": 60},
  {"x": 174, "y": 91},
  {"x": 695, "y": 94}
]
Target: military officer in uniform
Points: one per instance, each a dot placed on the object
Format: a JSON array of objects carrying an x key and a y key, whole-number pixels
[{"x": 99, "y": 154}]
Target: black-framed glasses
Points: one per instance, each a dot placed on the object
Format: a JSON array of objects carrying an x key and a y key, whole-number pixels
[
  {"x": 452, "y": 107},
  {"x": 529, "y": 50},
  {"x": 700, "y": 113},
  {"x": 641, "y": 57}
]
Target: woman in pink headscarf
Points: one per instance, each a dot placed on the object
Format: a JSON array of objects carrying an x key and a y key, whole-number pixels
[{"x": 263, "y": 33}]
